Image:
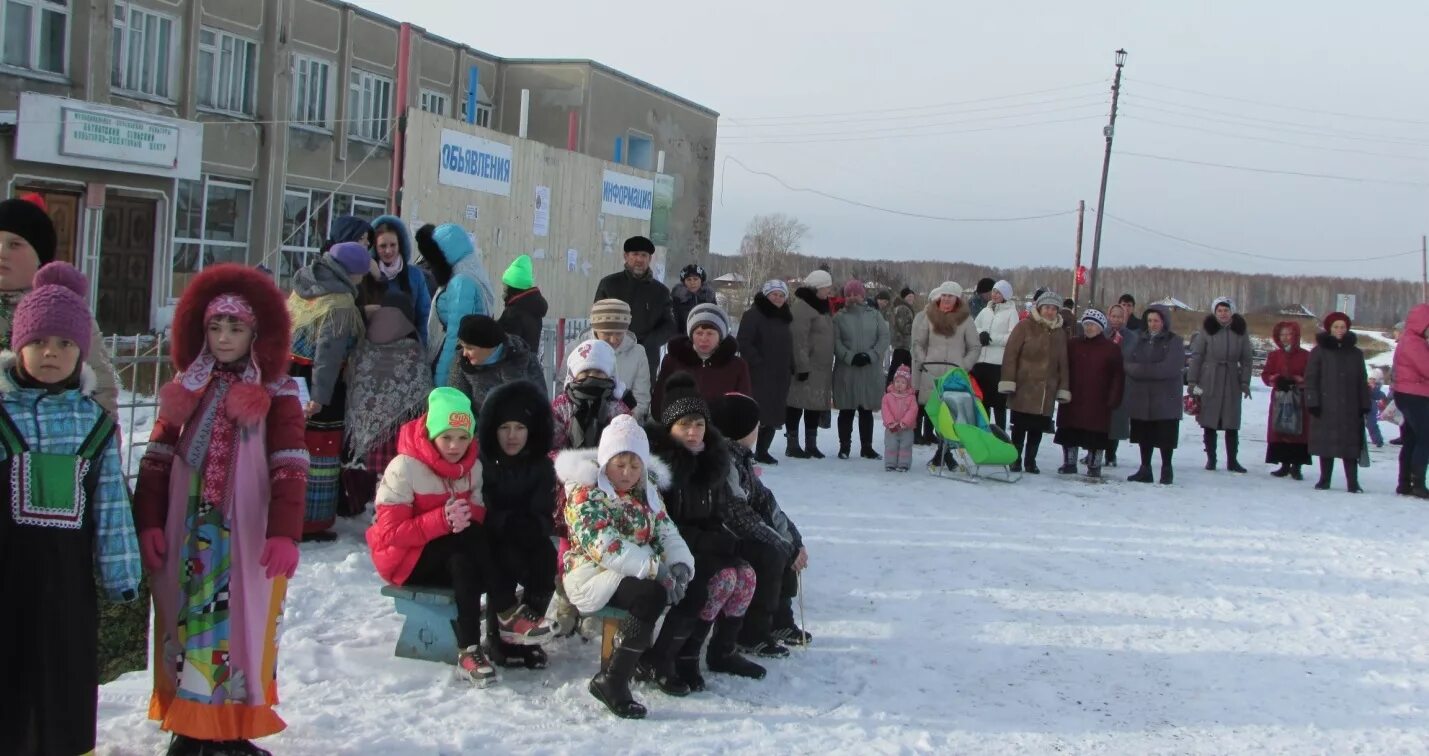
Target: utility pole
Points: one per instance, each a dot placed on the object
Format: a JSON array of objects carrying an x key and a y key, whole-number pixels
[
  {"x": 1424, "y": 268},
  {"x": 1109, "y": 132},
  {"x": 1077, "y": 262}
]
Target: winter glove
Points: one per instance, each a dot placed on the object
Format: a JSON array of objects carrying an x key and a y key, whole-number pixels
[
  {"x": 678, "y": 583},
  {"x": 1315, "y": 411},
  {"x": 1284, "y": 383},
  {"x": 152, "y": 547},
  {"x": 280, "y": 557},
  {"x": 861, "y": 359},
  {"x": 985, "y": 338},
  {"x": 458, "y": 515},
  {"x": 801, "y": 377},
  {"x": 1196, "y": 391},
  {"x": 1245, "y": 391}
]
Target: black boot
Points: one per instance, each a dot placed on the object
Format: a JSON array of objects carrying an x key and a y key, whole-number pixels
[
  {"x": 865, "y": 435},
  {"x": 1406, "y": 478},
  {"x": 658, "y": 664},
  {"x": 612, "y": 686},
  {"x": 1352, "y": 476},
  {"x": 1094, "y": 465},
  {"x": 724, "y": 657},
  {"x": 1143, "y": 473},
  {"x": 1281, "y": 471},
  {"x": 1110, "y": 457},
  {"x": 1029, "y": 462},
  {"x": 1019, "y": 440},
  {"x": 792, "y": 450},
  {"x": 1295, "y": 473},
  {"x": 811, "y": 441},
  {"x": 756, "y": 637},
  {"x": 687, "y": 662},
  {"x": 1327, "y": 471},
  {"x": 1416, "y": 485},
  {"x": 1208, "y": 440},
  {"x": 761, "y": 449},
  {"x": 1069, "y": 461},
  {"x": 1232, "y": 449},
  {"x": 1167, "y": 474}
]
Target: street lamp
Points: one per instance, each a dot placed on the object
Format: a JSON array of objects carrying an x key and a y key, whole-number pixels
[{"x": 1109, "y": 132}]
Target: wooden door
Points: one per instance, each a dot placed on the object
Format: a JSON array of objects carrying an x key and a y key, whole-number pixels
[{"x": 126, "y": 265}]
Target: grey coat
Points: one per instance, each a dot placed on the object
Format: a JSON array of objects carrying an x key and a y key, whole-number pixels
[
  {"x": 767, "y": 347},
  {"x": 859, "y": 328},
  {"x": 1153, "y": 375},
  {"x": 1121, "y": 416},
  {"x": 1220, "y": 367},
  {"x": 813, "y": 334},
  {"x": 1336, "y": 384}
]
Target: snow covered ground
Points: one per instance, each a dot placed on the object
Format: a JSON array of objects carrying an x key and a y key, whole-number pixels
[{"x": 1226, "y": 614}]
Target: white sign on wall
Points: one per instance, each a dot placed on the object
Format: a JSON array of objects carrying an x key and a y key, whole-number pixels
[
  {"x": 471, "y": 162},
  {"x": 627, "y": 196},
  {"x": 83, "y": 134}
]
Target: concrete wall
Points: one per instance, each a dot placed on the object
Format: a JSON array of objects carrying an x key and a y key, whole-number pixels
[
  {"x": 556, "y": 90},
  {"x": 504, "y": 230}
]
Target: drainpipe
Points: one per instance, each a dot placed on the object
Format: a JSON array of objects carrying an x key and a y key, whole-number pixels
[
  {"x": 573, "y": 130},
  {"x": 399, "y": 139},
  {"x": 473, "y": 80}
]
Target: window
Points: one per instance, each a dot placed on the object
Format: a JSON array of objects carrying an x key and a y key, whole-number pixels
[
  {"x": 310, "y": 93},
  {"x": 143, "y": 52},
  {"x": 483, "y": 112},
  {"x": 641, "y": 151},
  {"x": 307, "y": 219},
  {"x": 369, "y": 106},
  {"x": 211, "y": 226},
  {"x": 227, "y": 72},
  {"x": 434, "y": 102},
  {"x": 35, "y": 34}
]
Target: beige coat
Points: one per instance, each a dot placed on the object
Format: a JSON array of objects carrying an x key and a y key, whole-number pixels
[
  {"x": 1034, "y": 366},
  {"x": 813, "y": 334},
  {"x": 942, "y": 340}
]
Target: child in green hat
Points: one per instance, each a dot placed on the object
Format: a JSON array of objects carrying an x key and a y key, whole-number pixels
[{"x": 525, "y": 306}]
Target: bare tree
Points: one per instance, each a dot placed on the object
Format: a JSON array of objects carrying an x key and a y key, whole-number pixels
[{"x": 768, "y": 248}]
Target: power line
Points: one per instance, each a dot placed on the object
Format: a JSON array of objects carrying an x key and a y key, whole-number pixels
[
  {"x": 885, "y": 117},
  {"x": 1331, "y": 176},
  {"x": 907, "y": 214},
  {"x": 1252, "y": 255},
  {"x": 908, "y": 129},
  {"x": 753, "y": 140},
  {"x": 1398, "y": 156},
  {"x": 1263, "y": 103},
  {"x": 1250, "y": 123},
  {"x": 918, "y": 107},
  {"x": 1273, "y": 121}
]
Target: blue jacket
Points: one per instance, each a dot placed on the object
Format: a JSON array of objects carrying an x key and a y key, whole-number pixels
[
  {"x": 411, "y": 281},
  {"x": 466, "y": 294}
]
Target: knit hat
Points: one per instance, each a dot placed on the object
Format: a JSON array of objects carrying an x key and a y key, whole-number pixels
[
  {"x": 518, "y": 274},
  {"x": 1095, "y": 316},
  {"x": 1004, "y": 288},
  {"x": 773, "y": 285},
  {"x": 711, "y": 315},
  {"x": 449, "y": 409},
  {"x": 640, "y": 244},
  {"x": 682, "y": 398},
  {"x": 905, "y": 292},
  {"x": 1227, "y": 301},
  {"x": 26, "y": 219},
  {"x": 693, "y": 269},
  {"x": 819, "y": 279},
  {"x": 854, "y": 289},
  {"x": 904, "y": 372},
  {"x": 481, "y": 331},
  {"x": 610, "y": 315},
  {"x": 1048, "y": 298},
  {"x": 352, "y": 256},
  {"x": 230, "y": 305},
  {"x": 592, "y": 354},
  {"x": 946, "y": 288},
  {"x": 349, "y": 228},
  {"x": 884, "y": 295},
  {"x": 453, "y": 242},
  {"x": 621, "y": 436},
  {"x": 55, "y": 307},
  {"x": 984, "y": 286},
  {"x": 1334, "y": 316},
  {"x": 735, "y": 415}
]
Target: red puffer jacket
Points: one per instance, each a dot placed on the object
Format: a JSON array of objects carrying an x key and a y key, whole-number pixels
[{"x": 412, "y": 498}]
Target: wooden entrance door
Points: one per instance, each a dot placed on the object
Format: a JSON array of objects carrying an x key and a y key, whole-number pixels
[
  {"x": 126, "y": 265},
  {"x": 63, "y": 208}
]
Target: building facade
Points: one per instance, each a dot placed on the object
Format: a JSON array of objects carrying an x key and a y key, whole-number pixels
[{"x": 168, "y": 135}]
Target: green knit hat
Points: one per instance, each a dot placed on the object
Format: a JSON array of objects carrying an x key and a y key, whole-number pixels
[
  {"x": 518, "y": 275},
  {"x": 449, "y": 409}
]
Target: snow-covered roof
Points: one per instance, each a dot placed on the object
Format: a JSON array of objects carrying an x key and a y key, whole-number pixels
[
  {"x": 730, "y": 278},
  {"x": 1173, "y": 303}
]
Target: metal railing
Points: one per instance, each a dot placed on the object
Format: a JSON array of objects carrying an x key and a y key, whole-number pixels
[{"x": 142, "y": 365}]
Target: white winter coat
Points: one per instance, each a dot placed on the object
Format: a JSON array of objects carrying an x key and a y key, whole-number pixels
[
  {"x": 997, "y": 320},
  {"x": 627, "y": 545},
  {"x": 632, "y": 369}
]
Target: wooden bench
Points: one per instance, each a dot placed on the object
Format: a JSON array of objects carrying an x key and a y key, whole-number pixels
[
  {"x": 429, "y": 631},
  {"x": 610, "y": 624}
]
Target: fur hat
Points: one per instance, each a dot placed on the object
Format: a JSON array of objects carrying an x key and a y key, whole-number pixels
[
  {"x": 55, "y": 307},
  {"x": 640, "y": 244},
  {"x": 681, "y": 399},
  {"x": 1334, "y": 316},
  {"x": 946, "y": 288},
  {"x": 854, "y": 289},
  {"x": 1096, "y": 316},
  {"x": 819, "y": 279},
  {"x": 448, "y": 409},
  {"x": 984, "y": 286},
  {"x": 773, "y": 285},
  {"x": 1004, "y": 288},
  {"x": 481, "y": 331},
  {"x": 25, "y": 218},
  {"x": 1048, "y": 298},
  {"x": 621, "y": 436},
  {"x": 736, "y": 415},
  {"x": 519, "y": 401},
  {"x": 693, "y": 269},
  {"x": 711, "y": 315},
  {"x": 352, "y": 256},
  {"x": 592, "y": 354},
  {"x": 610, "y": 315},
  {"x": 905, "y": 292},
  {"x": 1227, "y": 301}
]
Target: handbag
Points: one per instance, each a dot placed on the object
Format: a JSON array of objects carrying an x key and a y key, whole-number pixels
[
  {"x": 1192, "y": 405},
  {"x": 1390, "y": 414},
  {"x": 1289, "y": 417}
]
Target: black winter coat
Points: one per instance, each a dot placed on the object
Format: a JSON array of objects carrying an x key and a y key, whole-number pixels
[
  {"x": 700, "y": 497},
  {"x": 682, "y": 301},
  {"x": 650, "y": 317},
  {"x": 523, "y": 314},
  {"x": 1336, "y": 384},
  {"x": 519, "y": 492},
  {"x": 767, "y": 346},
  {"x": 518, "y": 363},
  {"x": 778, "y": 530}
]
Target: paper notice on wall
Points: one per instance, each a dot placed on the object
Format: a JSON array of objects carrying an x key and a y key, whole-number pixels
[
  {"x": 539, "y": 254},
  {"x": 541, "y": 222},
  {"x": 658, "y": 268},
  {"x": 471, "y": 212},
  {"x": 573, "y": 259}
]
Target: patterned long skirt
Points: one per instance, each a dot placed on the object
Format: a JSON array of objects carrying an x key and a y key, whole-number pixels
[{"x": 325, "y": 449}]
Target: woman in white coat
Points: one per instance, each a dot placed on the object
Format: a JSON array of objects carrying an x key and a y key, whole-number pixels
[
  {"x": 943, "y": 337},
  {"x": 994, "y": 326}
]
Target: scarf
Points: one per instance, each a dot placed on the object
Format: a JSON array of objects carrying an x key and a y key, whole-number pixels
[
  {"x": 588, "y": 398},
  {"x": 390, "y": 272},
  {"x": 209, "y": 441},
  {"x": 387, "y": 385}
]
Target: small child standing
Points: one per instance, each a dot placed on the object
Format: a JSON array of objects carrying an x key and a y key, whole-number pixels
[
  {"x": 219, "y": 506},
  {"x": 591, "y": 398},
  {"x": 1377, "y": 400},
  {"x": 430, "y": 530},
  {"x": 900, "y": 414},
  {"x": 67, "y": 513}
]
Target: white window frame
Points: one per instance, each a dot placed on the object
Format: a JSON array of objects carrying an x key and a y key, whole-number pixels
[
  {"x": 369, "y": 107},
  {"x": 432, "y": 101},
  {"x": 483, "y": 112},
  {"x": 316, "y": 198},
  {"x": 249, "y": 88},
  {"x": 303, "y": 66},
  {"x": 38, "y": 9},
  {"x": 203, "y": 242},
  {"x": 124, "y": 29}
]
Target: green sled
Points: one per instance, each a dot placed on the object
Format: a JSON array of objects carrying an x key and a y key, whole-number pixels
[{"x": 982, "y": 446}]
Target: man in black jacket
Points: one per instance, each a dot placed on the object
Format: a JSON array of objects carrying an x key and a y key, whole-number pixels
[
  {"x": 651, "y": 319},
  {"x": 1133, "y": 323}
]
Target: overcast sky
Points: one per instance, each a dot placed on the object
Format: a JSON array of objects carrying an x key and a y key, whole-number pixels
[{"x": 918, "y": 129}]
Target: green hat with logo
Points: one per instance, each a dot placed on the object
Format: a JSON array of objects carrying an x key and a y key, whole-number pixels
[
  {"x": 449, "y": 409},
  {"x": 518, "y": 275}
]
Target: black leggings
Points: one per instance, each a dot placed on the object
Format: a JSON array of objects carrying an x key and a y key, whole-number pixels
[
  {"x": 811, "y": 418},
  {"x": 464, "y": 562},
  {"x": 644, "y": 599},
  {"x": 865, "y": 427},
  {"x": 527, "y": 556}
]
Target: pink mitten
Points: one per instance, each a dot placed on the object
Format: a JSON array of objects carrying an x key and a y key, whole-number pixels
[
  {"x": 280, "y": 556},
  {"x": 152, "y": 546}
]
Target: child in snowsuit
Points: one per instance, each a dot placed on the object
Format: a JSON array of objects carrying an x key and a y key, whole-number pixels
[
  {"x": 900, "y": 417},
  {"x": 219, "y": 506},
  {"x": 700, "y": 497},
  {"x": 66, "y": 514},
  {"x": 768, "y": 540},
  {"x": 1377, "y": 400},
  {"x": 518, "y": 486},
  {"x": 591, "y": 398},
  {"x": 625, "y": 552},
  {"x": 430, "y": 531}
]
